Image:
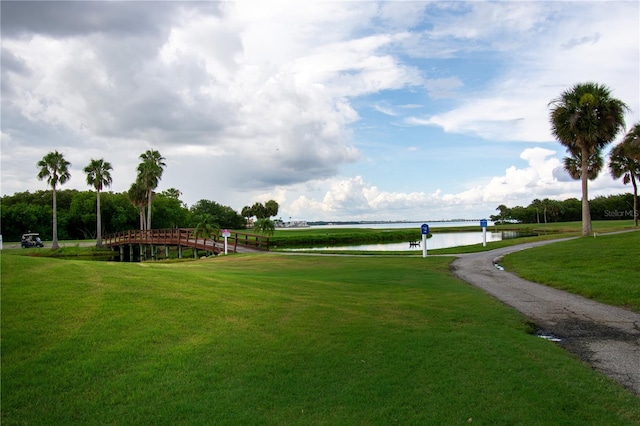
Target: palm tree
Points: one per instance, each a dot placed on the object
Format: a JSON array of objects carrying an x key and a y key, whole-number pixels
[
  {"x": 98, "y": 176},
  {"x": 503, "y": 212},
  {"x": 271, "y": 208},
  {"x": 623, "y": 165},
  {"x": 632, "y": 142},
  {"x": 586, "y": 118},
  {"x": 172, "y": 193},
  {"x": 207, "y": 227},
  {"x": 265, "y": 226},
  {"x": 537, "y": 204},
  {"x": 149, "y": 174},
  {"x": 55, "y": 169},
  {"x": 138, "y": 196},
  {"x": 573, "y": 165}
]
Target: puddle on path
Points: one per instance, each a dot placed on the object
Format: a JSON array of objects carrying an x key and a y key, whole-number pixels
[{"x": 548, "y": 336}]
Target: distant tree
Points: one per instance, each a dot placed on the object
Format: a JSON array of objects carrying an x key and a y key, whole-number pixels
[
  {"x": 553, "y": 208},
  {"x": 81, "y": 216},
  {"x": 259, "y": 210},
  {"x": 172, "y": 193},
  {"x": 169, "y": 212},
  {"x": 207, "y": 227},
  {"x": 98, "y": 176},
  {"x": 55, "y": 169},
  {"x": 586, "y": 118},
  {"x": 138, "y": 196},
  {"x": 537, "y": 205},
  {"x": 225, "y": 216},
  {"x": 246, "y": 214},
  {"x": 624, "y": 164},
  {"x": 503, "y": 212},
  {"x": 265, "y": 226},
  {"x": 271, "y": 208},
  {"x": 118, "y": 213},
  {"x": 149, "y": 175}
]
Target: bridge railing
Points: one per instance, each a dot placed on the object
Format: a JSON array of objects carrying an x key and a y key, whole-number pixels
[{"x": 184, "y": 237}]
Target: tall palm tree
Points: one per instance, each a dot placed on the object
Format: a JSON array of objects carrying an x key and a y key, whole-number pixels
[
  {"x": 573, "y": 165},
  {"x": 55, "y": 169},
  {"x": 138, "y": 196},
  {"x": 586, "y": 118},
  {"x": 98, "y": 176},
  {"x": 624, "y": 164},
  {"x": 149, "y": 174}
]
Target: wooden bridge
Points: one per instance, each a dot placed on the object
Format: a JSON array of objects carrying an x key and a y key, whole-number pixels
[{"x": 147, "y": 242}]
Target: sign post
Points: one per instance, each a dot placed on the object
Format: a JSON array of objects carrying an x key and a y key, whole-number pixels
[
  {"x": 225, "y": 234},
  {"x": 483, "y": 225},
  {"x": 424, "y": 229}
]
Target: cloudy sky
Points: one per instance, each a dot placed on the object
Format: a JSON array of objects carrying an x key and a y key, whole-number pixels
[{"x": 337, "y": 110}]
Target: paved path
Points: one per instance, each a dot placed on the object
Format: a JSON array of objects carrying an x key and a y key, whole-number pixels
[{"x": 605, "y": 336}]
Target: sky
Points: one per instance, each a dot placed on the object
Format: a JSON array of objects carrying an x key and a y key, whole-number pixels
[{"x": 338, "y": 110}]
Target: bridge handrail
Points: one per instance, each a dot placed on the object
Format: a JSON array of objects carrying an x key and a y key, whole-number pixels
[{"x": 183, "y": 237}]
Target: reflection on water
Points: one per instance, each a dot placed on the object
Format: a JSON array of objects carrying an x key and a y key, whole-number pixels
[{"x": 437, "y": 241}]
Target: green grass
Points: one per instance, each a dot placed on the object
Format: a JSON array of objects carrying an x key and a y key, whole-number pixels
[
  {"x": 271, "y": 339},
  {"x": 606, "y": 268}
]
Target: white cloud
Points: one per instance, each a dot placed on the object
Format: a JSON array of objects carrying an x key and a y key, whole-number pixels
[
  {"x": 357, "y": 199},
  {"x": 547, "y": 59}
]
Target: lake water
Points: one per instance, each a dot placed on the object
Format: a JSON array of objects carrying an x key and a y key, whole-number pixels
[{"x": 437, "y": 240}]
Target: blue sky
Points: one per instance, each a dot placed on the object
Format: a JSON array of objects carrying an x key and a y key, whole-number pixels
[{"x": 338, "y": 110}]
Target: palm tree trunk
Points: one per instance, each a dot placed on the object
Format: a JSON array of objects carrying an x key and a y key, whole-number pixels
[
  {"x": 635, "y": 201},
  {"x": 584, "y": 176},
  {"x": 54, "y": 239},
  {"x": 98, "y": 221},
  {"x": 149, "y": 209},
  {"x": 142, "y": 218}
]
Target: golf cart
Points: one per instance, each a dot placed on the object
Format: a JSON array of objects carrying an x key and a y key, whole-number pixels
[{"x": 31, "y": 239}]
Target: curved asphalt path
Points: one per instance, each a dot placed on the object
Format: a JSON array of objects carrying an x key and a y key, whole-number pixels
[{"x": 605, "y": 336}]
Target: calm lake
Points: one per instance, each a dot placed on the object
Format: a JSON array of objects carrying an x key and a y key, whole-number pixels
[{"x": 438, "y": 240}]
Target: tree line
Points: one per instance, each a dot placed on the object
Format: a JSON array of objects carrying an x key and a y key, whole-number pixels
[
  {"x": 77, "y": 214},
  {"x": 88, "y": 214},
  {"x": 611, "y": 207}
]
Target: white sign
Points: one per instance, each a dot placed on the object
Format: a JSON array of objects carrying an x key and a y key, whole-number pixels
[{"x": 226, "y": 233}]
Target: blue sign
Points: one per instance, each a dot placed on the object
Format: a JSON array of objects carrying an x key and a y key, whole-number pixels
[
  {"x": 425, "y": 229},
  {"x": 483, "y": 223}
]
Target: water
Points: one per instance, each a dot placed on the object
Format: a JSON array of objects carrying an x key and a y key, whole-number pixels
[{"x": 437, "y": 241}]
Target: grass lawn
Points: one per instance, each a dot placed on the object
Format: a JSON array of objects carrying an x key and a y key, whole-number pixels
[
  {"x": 605, "y": 268},
  {"x": 274, "y": 339}
]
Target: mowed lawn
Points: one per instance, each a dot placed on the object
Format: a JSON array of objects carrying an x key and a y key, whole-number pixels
[
  {"x": 605, "y": 268},
  {"x": 276, "y": 339}
]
